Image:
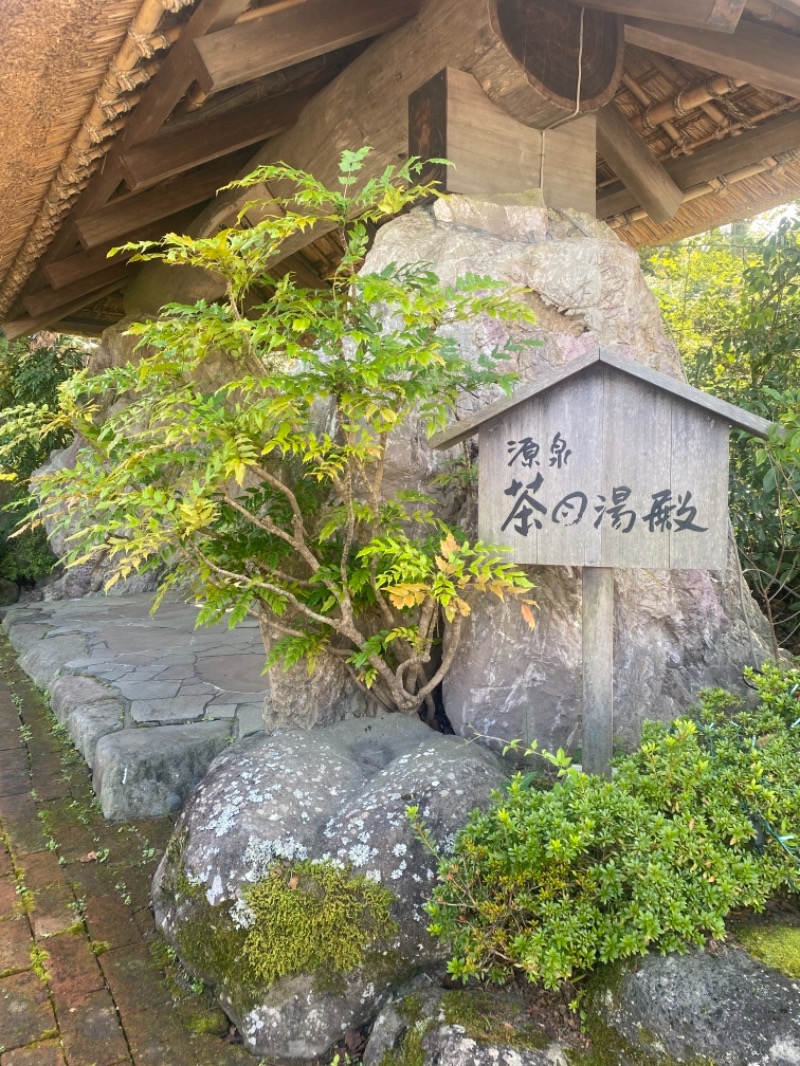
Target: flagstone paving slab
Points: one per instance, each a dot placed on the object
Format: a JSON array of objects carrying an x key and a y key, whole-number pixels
[{"x": 115, "y": 670}]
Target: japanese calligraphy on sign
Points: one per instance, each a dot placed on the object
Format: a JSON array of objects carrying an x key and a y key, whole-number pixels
[{"x": 606, "y": 471}]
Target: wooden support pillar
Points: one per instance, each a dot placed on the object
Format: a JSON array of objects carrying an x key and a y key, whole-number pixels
[
  {"x": 597, "y": 620},
  {"x": 636, "y": 166},
  {"x": 451, "y": 117}
]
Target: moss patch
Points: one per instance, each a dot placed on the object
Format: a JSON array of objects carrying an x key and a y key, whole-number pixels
[
  {"x": 777, "y": 946},
  {"x": 313, "y": 917},
  {"x": 487, "y": 1016}
]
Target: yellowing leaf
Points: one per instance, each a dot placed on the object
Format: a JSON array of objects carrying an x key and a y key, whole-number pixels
[
  {"x": 407, "y": 594},
  {"x": 528, "y": 615},
  {"x": 463, "y": 607},
  {"x": 449, "y": 545}
]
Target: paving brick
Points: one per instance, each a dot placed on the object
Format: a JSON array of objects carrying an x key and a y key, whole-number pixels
[
  {"x": 73, "y": 970},
  {"x": 12, "y": 782},
  {"x": 14, "y": 759},
  {"x": 135, "y": 981},
  {"x": 9, "y": 900},
  {"x": 47, "y": 1054},
  {"x": 109, "y": 919},
  {"x": 44, "y": 763},
  {"x": 155, "y": 1040},
  {"x": 25, "y": 1011},
  {"x": 15, "y": 945},
  {"x": 19, "y": 815},
  {"x": 49, "y": 785},
  {"x": 74, "y": 843},
  {"x": 53, "y": 910},
  {"x": 42, "y": 868},
  {"x": 92, "y": 1034},
  {"x": 6, "y": 866}
]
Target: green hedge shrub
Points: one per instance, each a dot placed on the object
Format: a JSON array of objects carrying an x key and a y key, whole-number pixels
[{"x": 699, "y": 820}]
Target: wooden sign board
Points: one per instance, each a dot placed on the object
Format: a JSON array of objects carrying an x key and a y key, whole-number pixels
[
  {"x": 606, "y": 464},
  {"x": 606, "y": 471}
]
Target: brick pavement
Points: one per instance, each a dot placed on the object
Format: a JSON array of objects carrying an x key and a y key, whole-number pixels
[{"x": 85, "y": 979}]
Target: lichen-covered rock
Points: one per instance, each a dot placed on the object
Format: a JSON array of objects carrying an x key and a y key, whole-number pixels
[
  {"x": 337, "y": 797},
  {"x": 676, "y": 632},
  {"x": 725, "y": 1009}
]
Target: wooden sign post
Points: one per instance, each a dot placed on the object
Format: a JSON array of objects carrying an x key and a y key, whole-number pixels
[{"x": 605, "y": 464}]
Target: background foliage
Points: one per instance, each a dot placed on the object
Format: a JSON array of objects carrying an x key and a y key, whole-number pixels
[
  {"x": 30, "y": 373},
  {"x": 731, "y": 299}
]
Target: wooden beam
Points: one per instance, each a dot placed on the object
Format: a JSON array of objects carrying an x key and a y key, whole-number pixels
[
  {"x": 451, "y": 117},
  {"x": 171, "y": 153},
  {"x": 720, "y": 15},
  {"x": 82, "y": 264},
  {"x": 126, "y": 213},
  {"x": 770, "y": 138},
  {"x": 21, "y": 327},
  {"x": 790, "y": 5},
  {"x": 251, "y": 49},
  {"x": 636, "y": 166},
  {"x": 47, "y": 300},
  {"x": 765, "y": 57}
]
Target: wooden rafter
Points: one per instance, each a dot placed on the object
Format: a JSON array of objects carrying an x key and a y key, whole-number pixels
[
  {"x": 636, "y": 166},
  {"x": 170, "y": 153},
  {"x": 768, "y": 140},
  {"x": 47, "y": 300},
  {"x": 20, "y": 327},
  {"x": 251, "y": 49},
  {"x": 758, "y": 54},
  {"x": 155, "y": 106},
  {"x": 127, "y": 212},
  {"x": 82, "y": 264}
]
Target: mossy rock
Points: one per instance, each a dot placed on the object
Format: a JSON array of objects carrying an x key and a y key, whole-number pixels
[{"x": 493, "y": 1021}]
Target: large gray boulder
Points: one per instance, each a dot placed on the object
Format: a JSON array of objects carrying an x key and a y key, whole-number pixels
[
  {"x": 676, "y": 632},
  {"x": 725, "y": 1009},
  {"x": 336, "y": 796}
]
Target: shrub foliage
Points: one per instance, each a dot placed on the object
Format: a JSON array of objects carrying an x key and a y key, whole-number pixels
[
  {"x": 702, "y": 818},
  {"x": 250, "y": 448}
]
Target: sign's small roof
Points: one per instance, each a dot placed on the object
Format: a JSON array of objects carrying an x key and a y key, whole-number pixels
[{"x": 736, "y": 416}]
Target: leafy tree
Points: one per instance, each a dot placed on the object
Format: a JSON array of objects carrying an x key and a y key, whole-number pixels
[
  {"x": 732, "y": 301},
  {"x": 264, "y": 491},
  {"x": 30, "y": 373}
]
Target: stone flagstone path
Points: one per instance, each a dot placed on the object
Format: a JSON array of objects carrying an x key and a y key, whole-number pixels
[
  {"x": 147, "y": 700},
  {"x": 84, "y": 978}
]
